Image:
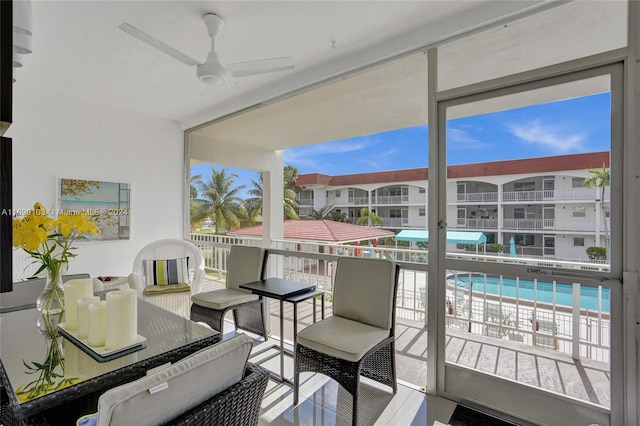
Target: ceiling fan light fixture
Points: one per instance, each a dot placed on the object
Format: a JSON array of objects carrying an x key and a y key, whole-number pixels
[{"x": 212, "y": 73}]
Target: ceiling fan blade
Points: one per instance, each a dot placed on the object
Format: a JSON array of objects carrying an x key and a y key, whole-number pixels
[
  {"x": 154, "y": 42},
  {"x": 243, "y": 69}
]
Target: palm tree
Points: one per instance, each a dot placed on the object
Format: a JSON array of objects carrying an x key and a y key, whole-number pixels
[
  {"x": 193, "y": 191},
  {"x": 318, "y": 214},
  {"x": 338, "y": 217},
  {"x": 290, "y": 178},
  {"x": 220, "y": 200},
  {"x": 369, "y": 218},
  {"x": 290, "y": 201},
  {"x": 601, "y": 178},
  {"x": 193, "y": 199},
  {"x": 252, "y": 211}
]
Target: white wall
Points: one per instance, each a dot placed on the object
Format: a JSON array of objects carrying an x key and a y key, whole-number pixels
[{"x": 58, "y": 136}]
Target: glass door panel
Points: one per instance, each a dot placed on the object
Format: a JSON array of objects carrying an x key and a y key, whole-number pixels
[{"x": 527, "y": 318}]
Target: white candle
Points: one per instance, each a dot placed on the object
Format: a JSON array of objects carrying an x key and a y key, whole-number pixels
[
  {"x": 74, "y": 290},
  {"x": 83, "y": 315},
  {"x": 97, "y": 315},
  {"x": 122, "y": 318}
]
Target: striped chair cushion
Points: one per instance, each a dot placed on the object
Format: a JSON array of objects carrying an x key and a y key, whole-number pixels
[{"x": 163, "y": 272}]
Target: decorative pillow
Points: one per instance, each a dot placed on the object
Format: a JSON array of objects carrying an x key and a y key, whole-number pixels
[{"x": 166, "y": 271}]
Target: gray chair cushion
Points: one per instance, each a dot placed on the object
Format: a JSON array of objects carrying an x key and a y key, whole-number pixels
[
  {"x": 244, "y": 266},
  {"x": 363, "y": 290},
  {"x": 223, "y": 298},
  {"x": 342, "y": 338},
  {"x": 166, "y": 394}
]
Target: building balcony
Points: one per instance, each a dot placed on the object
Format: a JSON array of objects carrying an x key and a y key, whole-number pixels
[
  {"x": 480, "y": 197},
  {"x": 528, "y": 224},
  {"x": 305, "y": 210},
  {"x": 305, "y": 202},
  {"x": 573, "y": 194},
  {"x": 488, "y": 318},
  {"x": 391, "y": 199},
  {"x": 399, "y": 222},
  {"x": 477, "y": 223}
]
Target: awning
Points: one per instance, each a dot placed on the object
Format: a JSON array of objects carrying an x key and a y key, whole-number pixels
[{"x": 457, "y": 237}]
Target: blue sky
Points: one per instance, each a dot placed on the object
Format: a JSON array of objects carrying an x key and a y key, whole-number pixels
[{"x": 564, "y": 127}]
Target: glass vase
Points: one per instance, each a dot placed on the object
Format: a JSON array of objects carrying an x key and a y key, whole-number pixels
[{"x": 51, "y": 300}]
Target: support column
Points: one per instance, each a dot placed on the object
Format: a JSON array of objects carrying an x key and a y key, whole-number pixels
[{"x": 273, "y": 200}]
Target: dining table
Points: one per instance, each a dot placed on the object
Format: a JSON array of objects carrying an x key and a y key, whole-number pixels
[{"x": 47, "y": 378}]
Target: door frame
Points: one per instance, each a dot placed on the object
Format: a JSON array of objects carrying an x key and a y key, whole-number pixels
[{"x": 469, "y": 386}]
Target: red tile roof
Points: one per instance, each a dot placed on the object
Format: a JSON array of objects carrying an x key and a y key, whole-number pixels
[
  {"x": 319, "y": 230},
  {"x": 494, "y": 168}
]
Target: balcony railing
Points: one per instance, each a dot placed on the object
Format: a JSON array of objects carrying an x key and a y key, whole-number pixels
[
  {"x": 305, "y": 210},
  {"x": 396, "y": 222},
  {"x": 571, "y": 318},
  {"x": 359, "y": 200},
  {"x": 477, "y": 223},
  {"x": 390, "y": 199},
  {"x": 305, "y": 202},
  {"x": 528, "y": 224},
  {"x": 478, "y": 197},
  {"x": 573, "y": 194}
]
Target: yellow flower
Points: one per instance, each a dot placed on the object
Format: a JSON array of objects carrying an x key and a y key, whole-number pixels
[
  {"x": 29, "y": 233},
  {"x": 48, "y": 240},
  {"x": 39, "y": 217}
]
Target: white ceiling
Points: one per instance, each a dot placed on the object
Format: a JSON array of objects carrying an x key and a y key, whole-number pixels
[{"x": 80, "y": 51}]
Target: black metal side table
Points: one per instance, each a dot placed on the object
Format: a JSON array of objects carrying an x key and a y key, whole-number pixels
[{"x": 286, "y": 291}]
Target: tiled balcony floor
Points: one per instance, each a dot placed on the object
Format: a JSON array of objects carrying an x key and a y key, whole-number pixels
[{"x": 550, "y": 370}]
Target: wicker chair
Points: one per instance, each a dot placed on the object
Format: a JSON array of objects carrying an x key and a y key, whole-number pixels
[
  {"x": 216, "y": 386},
  {"x": 168, "y": 249},
  {"x": 238, "y": 405},
  {"x": 245, "y": 265},
  {"x": 359, "y": 338}
]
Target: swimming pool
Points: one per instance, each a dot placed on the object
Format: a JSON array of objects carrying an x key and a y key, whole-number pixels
[{"x": 563, "y": 293}]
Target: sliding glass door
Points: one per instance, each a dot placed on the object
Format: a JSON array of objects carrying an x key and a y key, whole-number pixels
[{"x": 530, "y": 320}]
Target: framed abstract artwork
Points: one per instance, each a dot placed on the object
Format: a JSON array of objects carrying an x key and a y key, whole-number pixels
[{"x": 108, "y": 202}]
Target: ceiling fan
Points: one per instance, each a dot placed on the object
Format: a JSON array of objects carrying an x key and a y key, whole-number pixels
[{"x": 212, "y": 71}]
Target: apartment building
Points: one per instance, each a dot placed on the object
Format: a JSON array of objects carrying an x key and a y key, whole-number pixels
[{"x": 541, "y": 202}]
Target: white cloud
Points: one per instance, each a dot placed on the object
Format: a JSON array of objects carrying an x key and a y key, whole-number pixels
[
  {"x": 459, "y": 138},
  {"x": 554, "y": 137},
  {"x": 311, "y": 156}
]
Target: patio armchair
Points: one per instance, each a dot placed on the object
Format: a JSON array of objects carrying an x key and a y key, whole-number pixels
[
  {"x": 359, "y": 339},
  {"x": 215, "y": 386},
  {"x": 180, "y": 260},
  {"x": 545, "y": 333},
  {"x": 246, "y": 264},
  {"x": 495, "y": 320}
]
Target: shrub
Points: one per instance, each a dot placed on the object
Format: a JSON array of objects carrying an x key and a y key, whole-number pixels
[
  {"x": 496, "y": 247},
  {"x": 424, "y": 245},
  {"x": 597, "y": 253}
]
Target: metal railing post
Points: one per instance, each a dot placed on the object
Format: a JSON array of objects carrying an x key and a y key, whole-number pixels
[{"x": 575, "y": 333}]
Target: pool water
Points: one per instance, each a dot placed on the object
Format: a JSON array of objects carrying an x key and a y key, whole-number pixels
[{"x": 563, "y": 292}]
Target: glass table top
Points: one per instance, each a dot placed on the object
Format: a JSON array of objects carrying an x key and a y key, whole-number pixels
[{"x": 38, "y": 363}]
